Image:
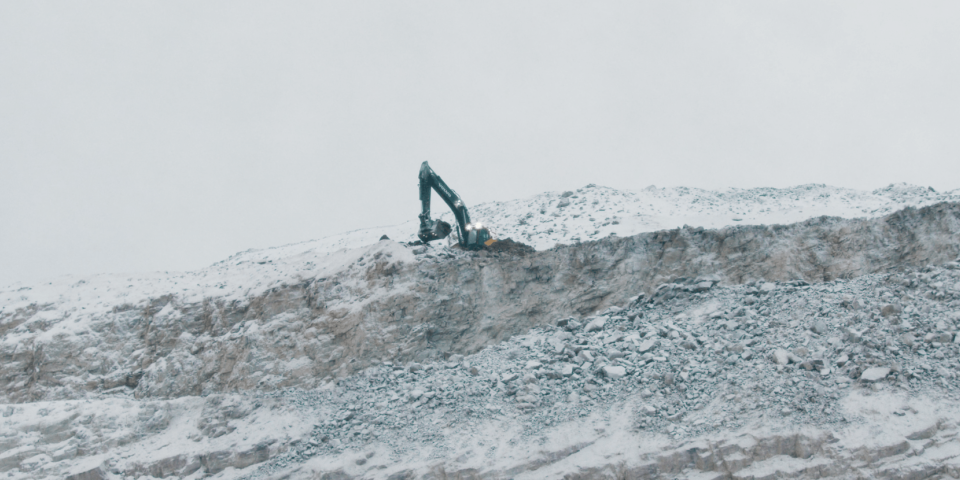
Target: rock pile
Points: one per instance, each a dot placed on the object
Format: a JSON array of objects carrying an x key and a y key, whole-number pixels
[
  {"x": 692, "y": 360},
  {"x": 390, "y": 302},
  {"x": 844, "y": 378},
  {"x": 832, "y": 344}
]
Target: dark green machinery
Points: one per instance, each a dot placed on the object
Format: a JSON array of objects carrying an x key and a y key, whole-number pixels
[{"x": 473, "y": 236}]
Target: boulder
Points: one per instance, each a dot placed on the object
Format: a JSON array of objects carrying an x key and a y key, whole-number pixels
[{"x": 874, "y": 374}]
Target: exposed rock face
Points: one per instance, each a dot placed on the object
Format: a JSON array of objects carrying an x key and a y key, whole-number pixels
[
  {"x": 297, "y": 335},
  {"x": 700, "y": 377}
]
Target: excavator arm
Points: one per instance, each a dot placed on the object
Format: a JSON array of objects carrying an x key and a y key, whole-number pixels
[
  {"x": 437, "y": 229},
  {"x": 471, "y": 236}
]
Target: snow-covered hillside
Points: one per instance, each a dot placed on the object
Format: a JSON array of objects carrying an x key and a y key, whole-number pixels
[
  {"x": 687, "y": 353},
  {"x": 593, "y": 212},
  {"x": 542, "y": 221},
  {"x": 848, "y": 379}
]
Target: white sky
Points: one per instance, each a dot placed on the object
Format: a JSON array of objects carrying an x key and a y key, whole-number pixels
[{"x": 164, "y": 135}]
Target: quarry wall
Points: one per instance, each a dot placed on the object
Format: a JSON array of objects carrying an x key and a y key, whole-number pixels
[{"x": 443, "y": 303}]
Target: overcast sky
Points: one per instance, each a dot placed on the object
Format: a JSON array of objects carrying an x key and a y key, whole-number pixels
[{"x": 167, "y": 135}]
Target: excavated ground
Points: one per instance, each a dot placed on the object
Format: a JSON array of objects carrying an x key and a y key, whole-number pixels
[
  {"x": 383, "y": 309},
  {"x": 848, "y": 378},
  {"x": 845, "y": 379},
  {"x": 757, "y": 331}
]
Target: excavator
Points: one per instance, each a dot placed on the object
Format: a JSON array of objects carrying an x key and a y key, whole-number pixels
[{"x": 473, "y": 236}]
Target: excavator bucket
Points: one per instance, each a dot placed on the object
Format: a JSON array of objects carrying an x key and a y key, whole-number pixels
[{"x": 434, "y": 230}]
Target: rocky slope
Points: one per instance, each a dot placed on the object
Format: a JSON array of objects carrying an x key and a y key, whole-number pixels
[
  {"x": 843, "y": 379},
  {"x": 214, "y": 372},
  {"x": 392, "y": 302}
]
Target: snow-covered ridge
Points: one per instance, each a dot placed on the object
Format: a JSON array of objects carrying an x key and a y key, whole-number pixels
[
  {"x": 315, "y": 358},
  {"x": 764, "y": 380},
  {"x": 237, "y": 278},
  {"x": 593, "y": 212},
  {"x": 542, "y": 221}
]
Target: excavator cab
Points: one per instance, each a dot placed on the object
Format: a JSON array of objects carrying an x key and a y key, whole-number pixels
[
  {"x": 471, "y": 236},
  {"x": 478, "y": 236}
]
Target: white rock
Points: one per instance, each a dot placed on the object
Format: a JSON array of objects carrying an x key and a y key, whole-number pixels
[
  {"x": 595, "y": 325},
  {"x": 509, "y": 377},
  {"x": 842, "y": 359},
  {"x": 614, "y": 371},
  {"x": 566, "y": 370},
  {"x": 557, "y": 340},
  {"x": 533, "y": 364},
  {"x": 616, "y": 337},
  {"x": 780, "y": 356},
  {"x": 585, "y": 356},
  {"x": 703, "y": 286},
  {"x": 819, "y": 327},
  {"x": 648, "y": 410},
  {"x": 875, "y": 374},
  {"x": 646, "y": 346},
  {"x": 529, "y": 399}
]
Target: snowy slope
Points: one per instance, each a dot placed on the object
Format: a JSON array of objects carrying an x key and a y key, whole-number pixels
[
  {"x": 541, "y": 221},
  {"x": 761, "y": 380},
  {"x": 594, "y": 212},
  {"x": 94, "y": 325},
  {"x": 237, "y": 278}
]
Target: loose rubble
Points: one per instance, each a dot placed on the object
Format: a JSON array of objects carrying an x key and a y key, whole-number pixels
[
  {"x": 717, "y": 375},
  {"x": 702, "y": 362}
]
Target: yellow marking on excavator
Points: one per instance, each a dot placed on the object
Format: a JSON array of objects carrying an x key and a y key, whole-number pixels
[{"x": 489, "y": 242}]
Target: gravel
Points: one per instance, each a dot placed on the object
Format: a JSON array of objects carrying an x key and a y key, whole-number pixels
[{"x": 700, "y": 361}]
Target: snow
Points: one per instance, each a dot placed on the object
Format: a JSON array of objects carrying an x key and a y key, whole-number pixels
[
  {"x": 446, "y": 411},
  {"x": 71, "y": 302},
  {"x": 594, "y": 212}
]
